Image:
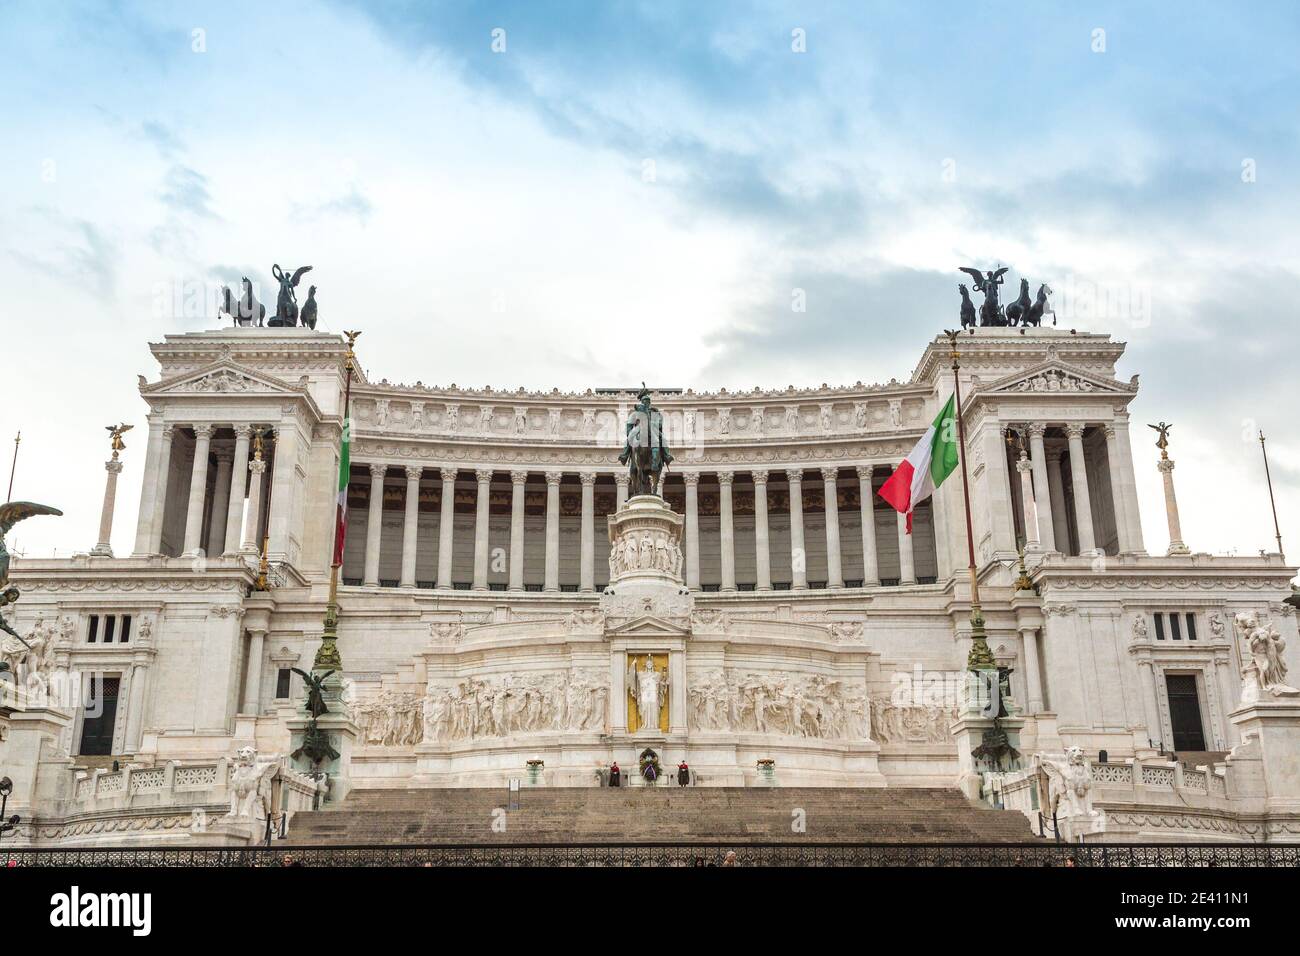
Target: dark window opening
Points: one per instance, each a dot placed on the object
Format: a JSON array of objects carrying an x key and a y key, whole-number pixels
[
  {"x": 282, "y": 678},
  {"x": 1185, "y": 712}
]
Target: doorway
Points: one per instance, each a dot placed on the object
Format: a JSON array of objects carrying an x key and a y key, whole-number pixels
[
  {"x": 100, "y": 718},
  {"x": 1185, "y": 712}
]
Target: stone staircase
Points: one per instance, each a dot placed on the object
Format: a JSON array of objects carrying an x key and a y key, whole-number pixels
[{"x": 664, "y": 815}]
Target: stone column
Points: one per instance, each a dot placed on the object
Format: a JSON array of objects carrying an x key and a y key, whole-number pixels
[
  {"x": 762, "y": 549},
  {"x": 153, "y": 479},
  {"x": 798, "y": 552},
  {"x": 518, "y": 482},
  {"x": 906, "y": 558},
  {"x": 104, "y": 546},
  {"x": 1124, "y": 450},
  {"x": 1176, "y": 545},
  {"x": 867, "y": 507},
  {"x": 235, "y": 497},
  {"x": 253, "y": 674},
  {"x": 587, "y": 557},
  {"x": 1000, "y": 504},
  {"x": 285, "y": 487},
  {"x": 726, "y": 531},
  {"x": 135, "y": 710},
  {"x": 622, "y": 480},
  {"x": 1119, "y": 500},
  {"x": 1025, "y": 467},
  {"x": 411, "y": 525},
  {"x": 446, "y": 525},
  {"x": 1056, "y": 499},
  {"x": 375, "y": 523},
  {"x": 1042, "y": 494},
  {"x": 1079, "y": 482},
  {"x": 220, "y": 504},
  {"x": 164, "y": 481},
  {"x": 692, "y": 480},
  {"x": 253, "y": 520},
  {"x": 1033, "y": 679},
  {"x": 198, "y": 489},
  {"x": 482, "y": 502},
  {"x": 834, "y": 569},
  {"x": 552, "y": 579},
  {"x": 1149, "y": 703}
]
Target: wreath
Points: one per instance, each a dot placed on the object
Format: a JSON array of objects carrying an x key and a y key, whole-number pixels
[{"x": 651, "y": 768}]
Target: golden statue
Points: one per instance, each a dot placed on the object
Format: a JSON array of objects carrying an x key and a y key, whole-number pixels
[
  {"x": 1163, "y": 441},
  {"x": 116, "y": 431}
]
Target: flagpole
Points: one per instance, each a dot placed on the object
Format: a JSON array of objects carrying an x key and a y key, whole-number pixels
[
  {"x": 13, "y": 468},
  {"x": 980, "y": 657},
  {"x": 327, "y": 655},
  {"x": 1277, "y": 531}
]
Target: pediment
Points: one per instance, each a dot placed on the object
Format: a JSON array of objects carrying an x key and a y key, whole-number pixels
[
  {"x": 1053, "y": 378},
  {"x": 224, "y": 377},
  {"x": 648, "y": 625}
]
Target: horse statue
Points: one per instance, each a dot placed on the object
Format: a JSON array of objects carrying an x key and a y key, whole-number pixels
[
  {"x": 1015, "y": 312},
  {"x": 645, "y": 448},
  {"x": 987, "y": 283},
  {"x": 967, "y": 308},
  {"x": 247, "y": 311},
  {"x": 1034, "y": 315}
]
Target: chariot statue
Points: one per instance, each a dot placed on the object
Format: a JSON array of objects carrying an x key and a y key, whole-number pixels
[{"x": 645, "y": 447}]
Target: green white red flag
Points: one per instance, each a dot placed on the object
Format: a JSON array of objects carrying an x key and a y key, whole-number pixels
[
  {"x": 341, "y": 511},
  {"x": 927, "y": 465}
]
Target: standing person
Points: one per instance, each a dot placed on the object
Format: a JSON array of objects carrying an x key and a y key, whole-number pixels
[
  {"x": 683, "y": 774},
  {"x": 614, "y": 774}
]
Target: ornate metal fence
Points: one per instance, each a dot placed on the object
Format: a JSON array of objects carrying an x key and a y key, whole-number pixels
[{"x": 674, "y": 855}]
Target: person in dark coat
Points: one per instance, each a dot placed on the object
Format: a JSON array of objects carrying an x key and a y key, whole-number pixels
[
  {"x": 614, "y": 775},
  {"x": 683, "y": 774}
]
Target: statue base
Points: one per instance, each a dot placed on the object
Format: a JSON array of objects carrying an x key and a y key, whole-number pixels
[{"x": 1266, "y": 764}]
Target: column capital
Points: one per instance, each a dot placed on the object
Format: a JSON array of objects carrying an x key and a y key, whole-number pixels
[
  {"x": 378, "y": 470},
  {"x": 622, "y": 479},
  {"x": 725, "y": 478},
  {"x": 224, "y": 454},
  {"x": 484, "y": 475},
  {"x": 759, "y": 475},
  {"x": 553, "y": 478},
  {"x": 831, "y": 473},
  {"x": 243, "y": 431},
  {"x": 448, "y": 474},
  {"x": 865, "y": 472},
  {"x": 257, "y": 466},
  {"x": 1109, "y": 430},
  {"x": 588, "y": 478},
  {"x": 1036, "y": 429},
  {"x": 692, "y": 478},
  {"x": 794, "y": 475},
  {"x": 202, "y": 431},
  {"x": 113, "y": 466},
  {"x": 1074, "y": 430},
  {"x": 1024, "y": 466},
  {"x": 1165, "y": 465},
  {"x": 413, "y": 472},
  {"x": 519, "y": 477},
  {"x": 168, "y": 432}
]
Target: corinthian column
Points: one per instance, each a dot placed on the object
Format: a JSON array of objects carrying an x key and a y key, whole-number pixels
[
  {"x": 518, "y": 482},
  {"x": 411, "y": 524},
  {"x": 235, "y": 500},
  {"x": 104, "y": 546},
  {"x": 798, "y": 553},
  {"x": 1176, "y": 545},
  {"x": 1042, "y": 495},
  {"x": 481, "y": 505},
  {"x": 374, "y": 524},
  {"x": 446, "y": 525},
  {"x": 726, "y": 532},
  {"x": 253, "y": 520},
  {"x": 834, "y": 573},
  {"x": 587, "y": 555},
  {"x": 622, "y": 480},
  {"x": 762, "y": 550},
  {"x": 1079, "y": 481},
  {"x": 906, "y": 557},
  {"x": 552, "y": 579},
  {"x": 1118, "y": 491},
  {"x": 220, "y": 503},
  {"x": 198, "y": 489},
  {"x": 692, "y": 480},
  {"x": 867, "y": 507},
  {"x": 1025, "y": 467}
]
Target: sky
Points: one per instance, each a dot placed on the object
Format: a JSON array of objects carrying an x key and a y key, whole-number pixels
[{"x": 526, "y": 193}]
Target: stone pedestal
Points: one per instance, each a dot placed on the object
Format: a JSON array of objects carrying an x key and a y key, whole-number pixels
[
  {"x": 645, "y": 557},
  {"x": 975, "y": 727},
  {"x": 34, "y": 756},
  {"x": 342, "y": 737},
  {"x": 1266, "y": 764}
]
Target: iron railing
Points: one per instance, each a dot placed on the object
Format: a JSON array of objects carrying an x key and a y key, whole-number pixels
[{"x": 672, "y": 855}]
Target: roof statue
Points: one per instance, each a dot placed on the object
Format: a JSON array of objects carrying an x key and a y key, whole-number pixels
[
  {"x": 1022, "y": 312},
  {"x": 645, "y": 446}
]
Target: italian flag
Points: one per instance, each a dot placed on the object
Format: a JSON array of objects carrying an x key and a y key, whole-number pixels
[
  {"x": 924, "y": 469},
  {"x": 341, "y": 512}
]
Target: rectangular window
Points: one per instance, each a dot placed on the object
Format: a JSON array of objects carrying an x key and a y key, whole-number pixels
[
  {"x": 1160, "y": 627},
  {"x": 92, "y": 633},
  {"x": 1176, "y": 627},
  {"x": 282, "y": 677},
  {"x": 1191, "y": 626},
  {"x": 110, "y": 623},
  {"x": 126, "y": 629}
]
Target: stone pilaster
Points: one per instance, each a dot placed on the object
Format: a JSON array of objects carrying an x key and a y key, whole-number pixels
[
  {"x": 1119, "y": 499},
  {"x": 1079, "y": 482},
  {"x": 154, "y": 478}
]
